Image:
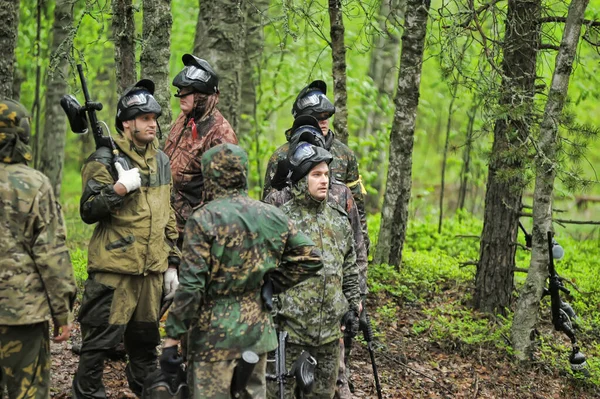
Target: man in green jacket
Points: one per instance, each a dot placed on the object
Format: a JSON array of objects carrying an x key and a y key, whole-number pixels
[
  {"x": 311, "y": 312},
  {"x": 231, "y": 245},
  {"x": 132, "y": 256},
  {"x": 35, "y": 268}
]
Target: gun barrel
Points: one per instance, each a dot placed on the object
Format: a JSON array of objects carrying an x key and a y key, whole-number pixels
[{"x": 242, "y": 373}]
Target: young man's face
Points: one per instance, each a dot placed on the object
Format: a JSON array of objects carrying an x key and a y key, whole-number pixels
[
  {"x": 141, "y": 130},
  {"x": 318, "y": 181},
  {"x": 324, "y": 123}
]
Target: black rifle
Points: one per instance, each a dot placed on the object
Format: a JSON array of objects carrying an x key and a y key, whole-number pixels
[
  {"x": 79, "y": 116},
  {"x": 242, "y": 373},
  {"x": 563, "y": 315},
  {"x": 303, "y": 370},
  {"x": 367, "y": 330}
]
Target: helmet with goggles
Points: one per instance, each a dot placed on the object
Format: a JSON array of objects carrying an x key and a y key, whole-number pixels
[
  {"x": 135, "y": 101},
  {"x": 305, "y": 129},
  {"x": 313, "y": 101},
  {"x": 197, "y": 75},
  {"x": 305, "y": 157}
]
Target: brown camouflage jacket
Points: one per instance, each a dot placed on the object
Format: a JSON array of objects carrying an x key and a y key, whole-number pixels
[
  {"x": 35, "y": 268},
  {"x": 343, "y": 168},
  {"x": 342, "y": 196},
  {"x": 185, "y": 149},
  {"x": 231, "y": 243}
]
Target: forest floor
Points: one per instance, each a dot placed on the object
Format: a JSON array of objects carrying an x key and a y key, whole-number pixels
[{"x": 411, "y": 365}]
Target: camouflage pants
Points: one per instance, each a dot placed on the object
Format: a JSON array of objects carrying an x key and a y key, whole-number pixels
[
  {"x": 25, "y": 361},
  {"x": 212, "y": 380},
  {"x": 326, "y": 372},
  {"x": 116, "y": 307}
]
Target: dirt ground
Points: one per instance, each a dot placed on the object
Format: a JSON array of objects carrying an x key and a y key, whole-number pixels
[{"x": 409, "y": 365}]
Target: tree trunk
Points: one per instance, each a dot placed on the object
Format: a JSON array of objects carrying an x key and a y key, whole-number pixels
[
  {"x": 399, "y": 180},
  {"x": 453, "y": 92},
  {"x": 220, "y": 38},
  {"x": 9, "y": 15},
  {"x": 494, "y": 277},
  {"x": 529, "y": 299},
  {"x": 156, "y": 51},
  {"x": 383, "y": 69},
  {"x": 466, "y": 165},
  {"x": 52, "y": 156},
  {"x": 37, "y": 102},
  {"x": 338, "y": 52},
  {"x": 123, "y": 28}
]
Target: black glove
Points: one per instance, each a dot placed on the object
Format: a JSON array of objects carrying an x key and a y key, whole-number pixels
[
  {"x": 279, "y": 180},
  {"x": 350, "y": 321},
  {"x": 170, "y": 360}
]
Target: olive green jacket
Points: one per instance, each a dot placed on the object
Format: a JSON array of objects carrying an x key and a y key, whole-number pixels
[{"x": 135, "y": 234}]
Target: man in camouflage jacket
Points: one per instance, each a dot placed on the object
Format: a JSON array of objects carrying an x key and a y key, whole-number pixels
[
  {"x": 312, "y": 311},
  {"x": 35, "y": 268},
  {"x": 231, "y": 244},
  {"x": 343, "y": 168},
  {"x": 132, "y": 252}
]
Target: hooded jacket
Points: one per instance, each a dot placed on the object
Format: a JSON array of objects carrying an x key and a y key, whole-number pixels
[
  {"x": 136, "y": 233},
  {"x": 231, "y": 243},
  {"x": 311, "y": 311},
  {"x": 190, "y": 137},
  {"x": 35, "y": 268}
]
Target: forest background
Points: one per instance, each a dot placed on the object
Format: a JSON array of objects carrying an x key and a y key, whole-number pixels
[{"x": 452, "y": 143}]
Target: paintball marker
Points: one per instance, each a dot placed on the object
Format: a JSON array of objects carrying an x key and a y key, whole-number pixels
[
  {"x": 303, "y": 370},
  {"x": 365, "y": 326},
  {"x": 80, "y": 115},
  {"x": 242, "y": 373},
  {"x": 563, "y": 315}
]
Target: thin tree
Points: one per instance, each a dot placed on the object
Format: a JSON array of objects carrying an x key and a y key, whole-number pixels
[
  {"x": 55, "y": 125},
  {"x": 123, "y": 30},
  {"x": 527, "y": 308},
  {"x": 220, "y": 39},
  {"x": 494, "y": 277},
  {"x": 394, "y": 214},
  {"x": 9, "y": 15},
  {"x": 156, "y": 51},
  {"x": 338, "y": 52}
]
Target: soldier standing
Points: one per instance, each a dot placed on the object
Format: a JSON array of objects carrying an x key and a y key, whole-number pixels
[
  {"x": 311, "y": 312},
  {"x": 35, "y": 268},
  {"x": 231, "y": 244},
  {"x": 199, "y": 127},
  {"x": 132, "y": 253}
]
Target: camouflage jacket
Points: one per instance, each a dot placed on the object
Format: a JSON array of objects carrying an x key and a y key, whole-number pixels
[
  {"x": 135, "y": 234},
  {"x": 184, "y": 149},
  {"x": 231, "y": 243},
  {"x": 339, "y": 195},
  {"x": 35, "y": 269},
  {"x": 311, "y": 311},
  {"x": 344, "y": 168}
]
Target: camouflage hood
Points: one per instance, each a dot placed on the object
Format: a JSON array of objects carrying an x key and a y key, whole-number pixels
[
  {"x": 302, "y": 196},
  {"x": 225, "y": 171},
  {"x": 14, "y": 132}
]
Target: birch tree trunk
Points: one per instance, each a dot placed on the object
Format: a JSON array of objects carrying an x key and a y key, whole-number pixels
[
  {"x": 494, "y": 277},
  {"x": 394, "y": 214},
  {"x": 338, "y": 52},
  {"x": 156, "y": 51},
  {"x": 52, "y": 151},
  {"x": 9, "y": 15},
  {"x": 528, "y": 303},
  {"x": 220, "y": 38},
  {"x": 123, "y": 28}
]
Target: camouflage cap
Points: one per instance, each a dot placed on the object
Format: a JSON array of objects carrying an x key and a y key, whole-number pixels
[
  {"x": 226, "y": 165},
  {"x": 14, "y": 118}
]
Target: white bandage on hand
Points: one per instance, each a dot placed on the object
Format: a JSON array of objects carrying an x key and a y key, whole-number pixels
[
  {"x": 130, "y": 179},
  {"x": 171, "y": 283}
]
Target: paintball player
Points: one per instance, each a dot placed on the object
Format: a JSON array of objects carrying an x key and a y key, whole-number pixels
[
  {"x": 312, "y": 311},
  {"x": 312, "y": 100},
  {"x": 199, "y": 127},
  {"x": 306, "y": 129},
  {"x": 132, "y": 255},
  {"x": 35, "y": 268},
  {"x": 232, "y": 243}
]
